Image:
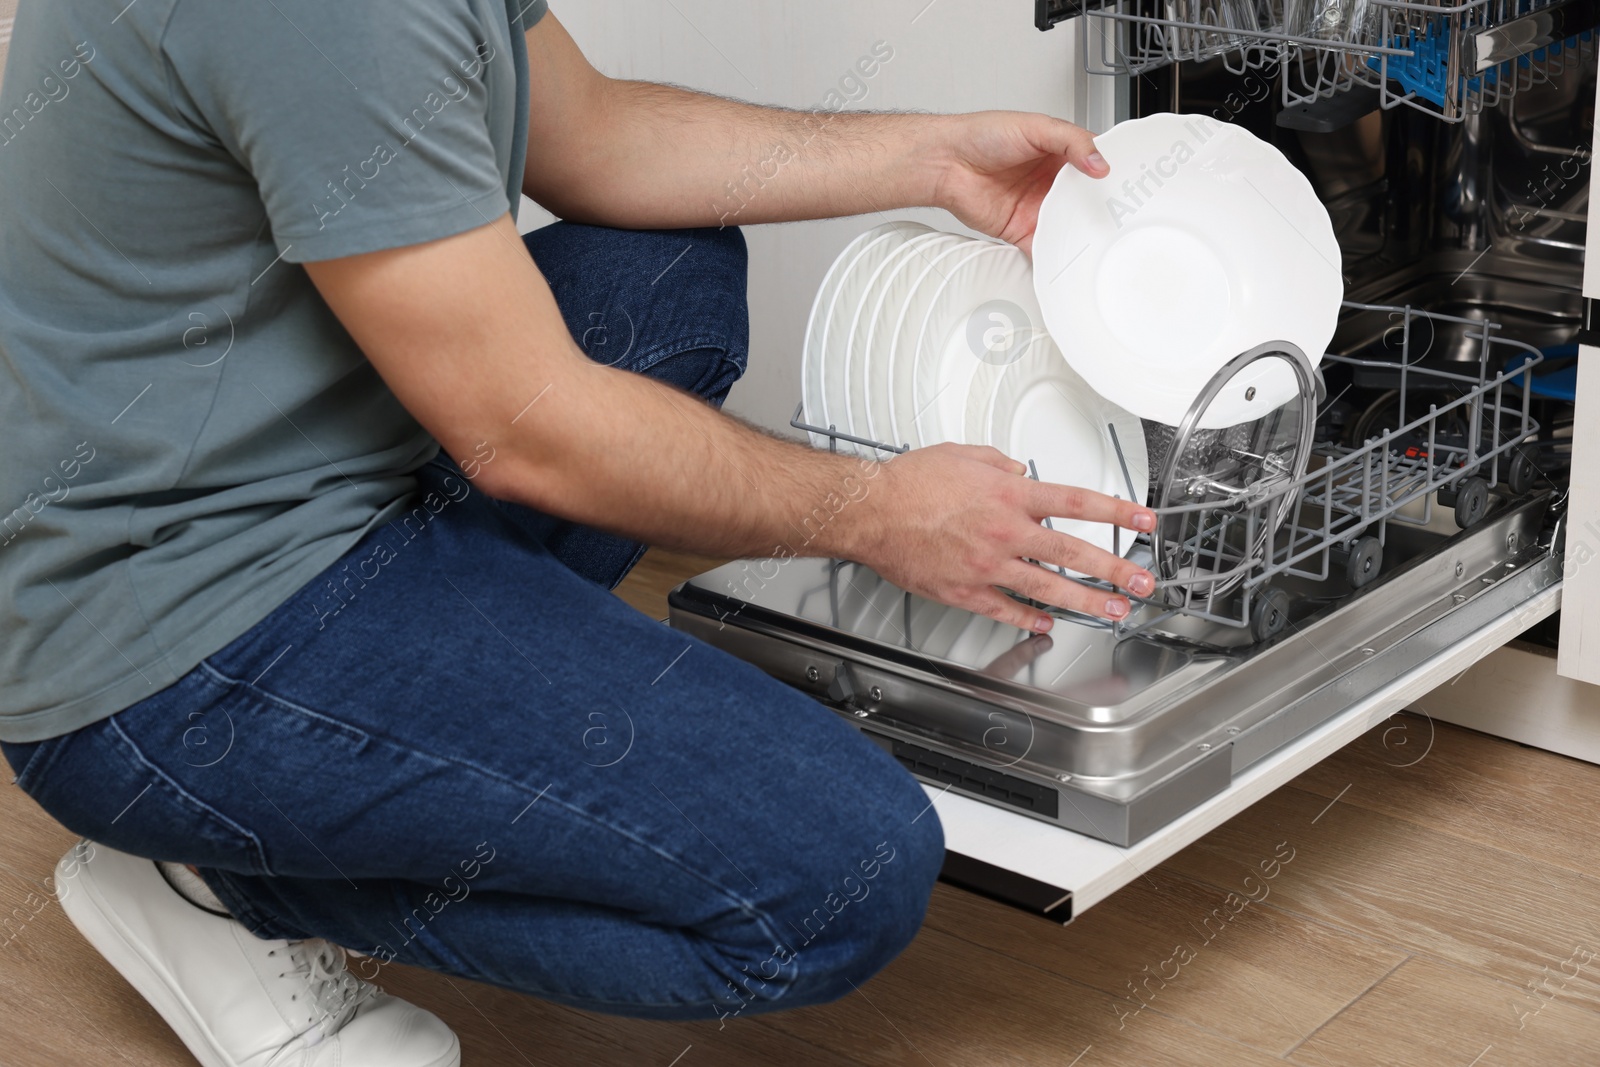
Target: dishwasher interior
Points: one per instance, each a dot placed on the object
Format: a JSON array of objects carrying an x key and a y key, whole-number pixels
[{"x": 1429, "y": 496}]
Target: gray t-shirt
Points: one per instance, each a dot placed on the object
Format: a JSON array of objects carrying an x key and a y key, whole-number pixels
[{"x": 188, "y": 434}]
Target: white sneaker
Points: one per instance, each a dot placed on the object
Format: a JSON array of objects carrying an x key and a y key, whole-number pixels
[{"x": 234, "y": 999}]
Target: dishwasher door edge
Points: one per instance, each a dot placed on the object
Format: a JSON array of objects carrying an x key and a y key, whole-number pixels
[{"x": 1027, "y": 863}]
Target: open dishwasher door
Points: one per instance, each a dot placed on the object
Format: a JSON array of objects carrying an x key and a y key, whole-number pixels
[{"x": 1064, "y": 766}]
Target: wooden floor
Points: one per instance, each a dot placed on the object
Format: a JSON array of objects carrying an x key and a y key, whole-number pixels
[{"x": 1440, "y": 914}]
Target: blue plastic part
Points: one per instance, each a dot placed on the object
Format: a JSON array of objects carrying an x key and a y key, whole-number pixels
[
  {"x": 1425, "y": 72},
  {"x": 1558, "y": 384}
]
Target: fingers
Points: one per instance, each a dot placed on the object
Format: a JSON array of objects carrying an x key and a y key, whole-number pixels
[
  {"x": 1071, "y": 502},
  {"x": 1064, "y": 550},
  {"x": 996, "y": 605},
  {"x": 1093, "y": 164},
  {"x": 1077, "y": 144},
  {"x": 1047, "y": 587}
]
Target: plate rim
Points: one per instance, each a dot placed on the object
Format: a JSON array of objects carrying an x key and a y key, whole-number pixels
[
  {"x": 1156, "y": 399},
  {"x": 905, "y": 344},
  {"x": 882, "y": 370},
  {"x": 922, "y": 349},
  {"x": 895, "y": 228},
  {"x": 810, "y": 363}
]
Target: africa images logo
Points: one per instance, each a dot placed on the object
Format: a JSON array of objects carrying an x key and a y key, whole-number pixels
[{"x": 998, "y": 332}]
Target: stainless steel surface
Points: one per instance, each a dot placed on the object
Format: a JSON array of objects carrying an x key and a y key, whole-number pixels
[
  {"x": 1115, "y": 728},
  {"x": 1522, "y": 34},
  {"x": 1534, "y": 312},
  {"x": 1091, "y": 870},
  {"x": 1500, "y": 202}
]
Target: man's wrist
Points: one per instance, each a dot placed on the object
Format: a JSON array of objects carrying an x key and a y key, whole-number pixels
[
  {"x": 845, "y": 509},
  {"x": 932, "y": 159}
]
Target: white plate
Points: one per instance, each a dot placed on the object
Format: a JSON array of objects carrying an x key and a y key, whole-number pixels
[
  {"x": 972, "y": 318},
  {"x": 1039, "y": 409},
  {"x": 816, "y": 325},
  {"x": 868, "y": 362},
  {"x": 838, "y": 319},
  {"x": 1202, "y": 243},
  {"x": 901, "y": 371}
]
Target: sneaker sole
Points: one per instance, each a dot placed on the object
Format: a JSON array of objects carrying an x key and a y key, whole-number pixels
[{"x": 99, "y": 926}]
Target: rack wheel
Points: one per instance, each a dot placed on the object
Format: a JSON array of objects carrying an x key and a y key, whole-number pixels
[
  {"x": 1472, "y": 500},
  {"x": 1522, "y": 474},
  {"x": 1366, "y": 560},
  {"x": 1270, "y": 614}
]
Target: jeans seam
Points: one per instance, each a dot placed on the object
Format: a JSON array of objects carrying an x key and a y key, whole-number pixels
[
  {"x": 632, "y": 563},
  {"x": 253, "y": 842},
  {"x": 361, "y": 736},
  {"x": 445, "y": 954},
  {"x": 648, "y": 358},
  {"x": 749, "y": 908}
]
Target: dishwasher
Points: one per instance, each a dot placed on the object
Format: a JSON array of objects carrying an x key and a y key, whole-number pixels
[{"x": 1404, "y": 518}]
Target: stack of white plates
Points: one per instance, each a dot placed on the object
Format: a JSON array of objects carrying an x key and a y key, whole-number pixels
[
  {"x": 1203, "y": 243},
  {"x": 919, "y": 337}
]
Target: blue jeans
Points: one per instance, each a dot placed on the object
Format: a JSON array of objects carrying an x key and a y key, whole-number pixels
[{"x": 458, "y": 750}]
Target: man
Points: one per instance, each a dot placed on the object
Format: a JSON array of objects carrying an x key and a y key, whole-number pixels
[{"x": 257, "y": 265}]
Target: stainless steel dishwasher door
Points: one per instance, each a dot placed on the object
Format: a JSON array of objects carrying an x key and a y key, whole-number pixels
[{"x": 1122, "y": 741}]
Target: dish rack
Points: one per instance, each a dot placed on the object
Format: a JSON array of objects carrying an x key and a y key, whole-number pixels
[
  {"x": 1279, "y": 503},
  {"x": 1450, "y": 61}
]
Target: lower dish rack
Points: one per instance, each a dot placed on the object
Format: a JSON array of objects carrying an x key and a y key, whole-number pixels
[{"x": 1247, "y": 511}]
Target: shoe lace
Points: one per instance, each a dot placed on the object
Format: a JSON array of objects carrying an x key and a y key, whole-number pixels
[{"x": 332, "y": 994}]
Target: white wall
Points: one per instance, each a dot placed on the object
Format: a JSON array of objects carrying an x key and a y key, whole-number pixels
[{"x": 949, "y": 55}]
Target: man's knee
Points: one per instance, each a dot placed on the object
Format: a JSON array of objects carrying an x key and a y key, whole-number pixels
[
  {"x": 726, "y": 251},
  {"x": 900, "y": 873},
  {"x": 701, "y": 298},
  {"x": 711, "y": 276},
  {"x": 837, "y": 928},
  {"x": 864, "y": 898}
]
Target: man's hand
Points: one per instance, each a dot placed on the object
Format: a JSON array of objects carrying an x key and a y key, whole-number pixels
[
  {"x": 997, "y": 167},
  {"x": 957, "y": 523}
]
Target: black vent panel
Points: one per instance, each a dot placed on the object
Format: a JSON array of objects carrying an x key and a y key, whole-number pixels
[{"x": 978, "y": 780}]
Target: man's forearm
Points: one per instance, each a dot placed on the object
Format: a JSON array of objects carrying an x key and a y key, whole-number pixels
[
  {"x": 468, "y": 336},
  {"x": 625, "y": 453},
  {"x": 669, "y": 157},
  {"x": 637, "y": 155}
]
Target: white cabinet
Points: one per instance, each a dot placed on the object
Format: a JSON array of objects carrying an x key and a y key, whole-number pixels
[{"x": 1580, "y": 619}]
